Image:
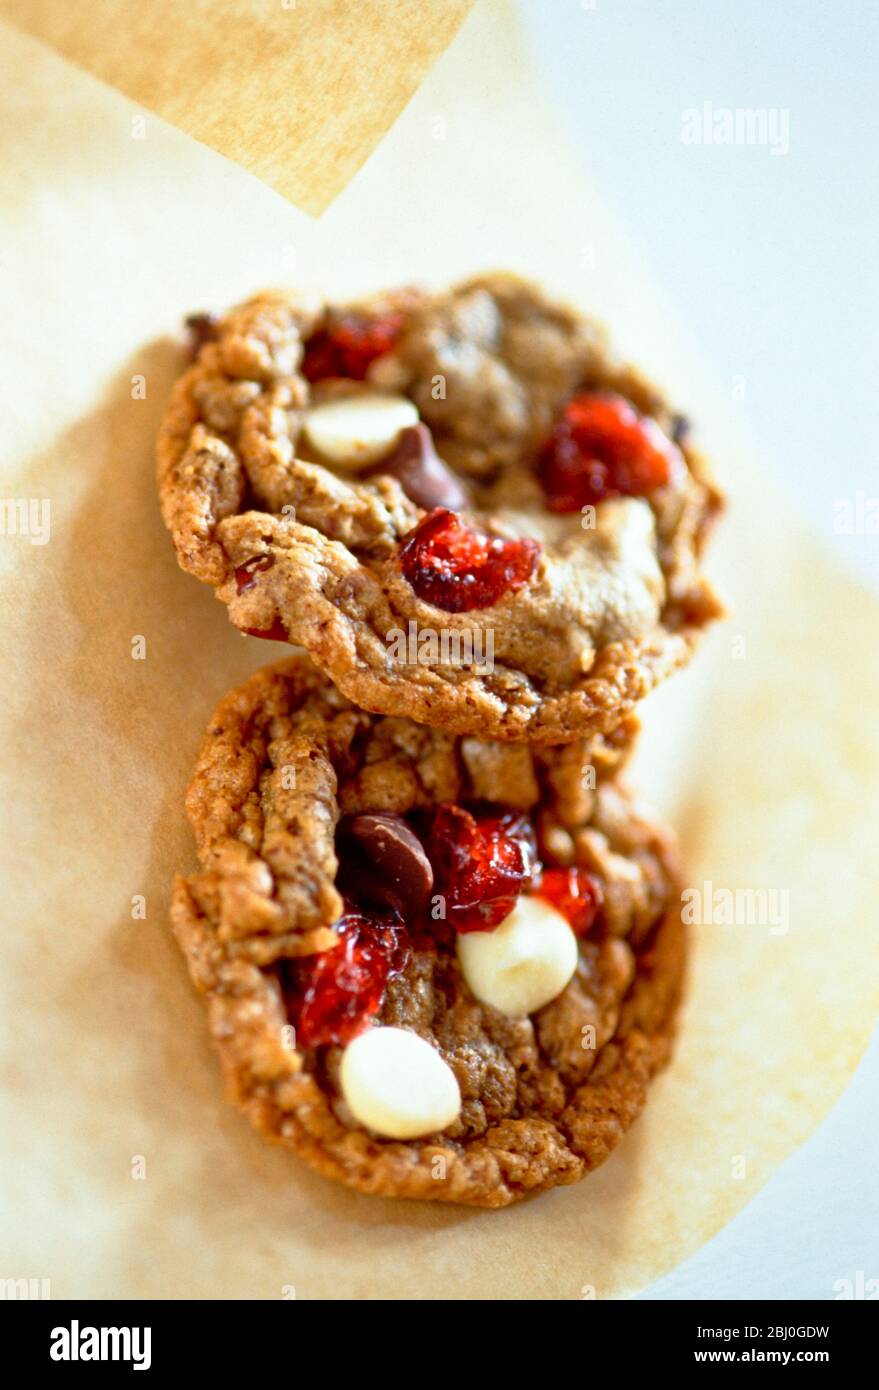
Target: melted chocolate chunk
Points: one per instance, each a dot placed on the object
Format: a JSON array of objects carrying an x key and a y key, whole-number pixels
[
  {"x": 383, "y": 862},
  {"x": 421, "y": 473},
  {"x": 201, "y": 329}
]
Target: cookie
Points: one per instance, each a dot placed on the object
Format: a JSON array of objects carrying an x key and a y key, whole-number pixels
[
  {"x": 463, "y": 507},
  {"x": 434, "y": 966}
]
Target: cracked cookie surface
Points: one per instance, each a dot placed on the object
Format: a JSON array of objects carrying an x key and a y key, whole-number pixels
[
  {"x": 605, "y": 602},
  {"x": 544, "y": 1098}
]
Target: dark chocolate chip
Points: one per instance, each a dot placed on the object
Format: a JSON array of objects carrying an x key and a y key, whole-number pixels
[
  {"x": 421, "y": 473},
  {"x": 383, "y": 862},
  {"x": 202, "y": 328},
  {"x": 680, "y": 428}
]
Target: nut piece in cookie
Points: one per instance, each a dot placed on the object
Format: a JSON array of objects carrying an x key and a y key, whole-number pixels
[
  {"x": 434, "y": 967},
  {"x": 474, "y": 464}
]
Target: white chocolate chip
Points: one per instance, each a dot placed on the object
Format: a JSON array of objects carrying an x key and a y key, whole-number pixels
[
  {"x": 629, "y": 526},
  {"x": 396, "y": 1084},
  {"x": 355, "y": 430},
  {"x": 524, "y": 963}
]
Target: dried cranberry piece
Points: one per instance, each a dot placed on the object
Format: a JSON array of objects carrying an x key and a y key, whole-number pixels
[
  {"x": 574, "y": 893},
  {"x": 602, "y": 448},
  {"x": 481, "y": 864},
  {"x": 457, "y": 569},
  {"x": 348, "y": 346},
  {"x": 276, "y": 633},
  {"x": 336, "y": 993},
  {"x": 245, "y": 575}
]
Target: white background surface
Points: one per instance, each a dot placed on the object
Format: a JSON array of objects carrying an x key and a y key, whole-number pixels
[{"x": 771, "y": 260}]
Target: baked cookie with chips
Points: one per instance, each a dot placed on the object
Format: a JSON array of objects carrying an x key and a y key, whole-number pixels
[
  {"x": 460, "y": 503},
  {"x": 435, "y": 966}
]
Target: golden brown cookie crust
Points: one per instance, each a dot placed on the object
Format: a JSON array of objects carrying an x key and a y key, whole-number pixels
[
  {"x": 539, "y": 1108},
  {"x": 587, "y": 637}
]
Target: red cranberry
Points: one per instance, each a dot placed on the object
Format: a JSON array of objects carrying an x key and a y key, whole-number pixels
[
  {"x": 480, "y": 864},
  {"x": 348, "y": 346},
  {"x": 276, "y": 633},
  {"x": 574, "y": 893},
  {"x": 602, "y": 448},
  {"x": 457, "y": 569},
  {"x": 245, "y": 575},
  {"x": 336, "y": 993}
]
